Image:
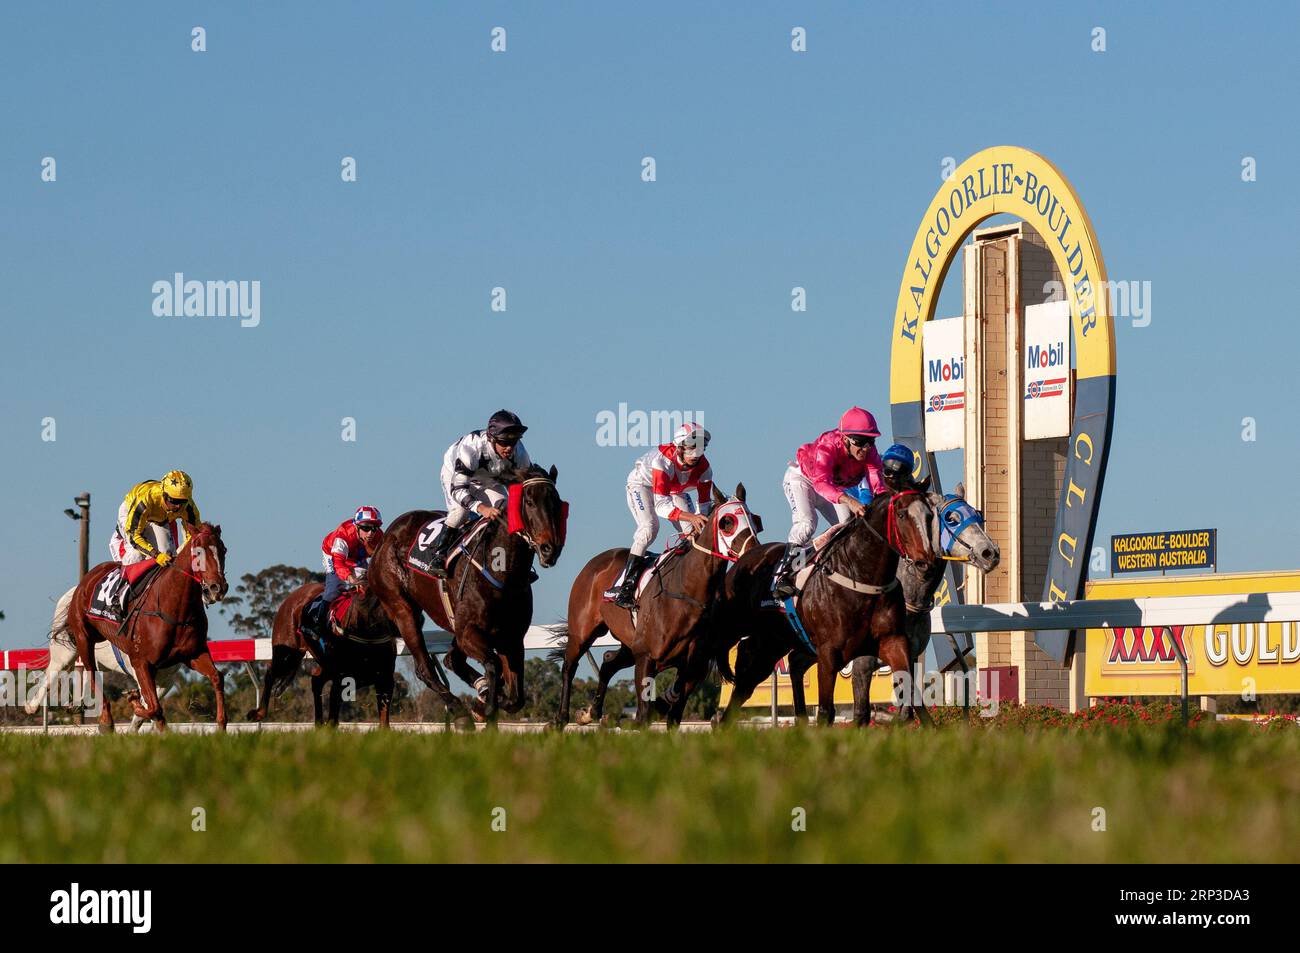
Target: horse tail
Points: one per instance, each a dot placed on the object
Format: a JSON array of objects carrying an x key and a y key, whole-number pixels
[
  {"x": 560, "y": 641},
  {"x": 62, "y": 651}
]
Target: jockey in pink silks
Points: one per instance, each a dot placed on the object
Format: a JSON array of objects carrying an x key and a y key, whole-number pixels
[{"x": 817, "y": 483}]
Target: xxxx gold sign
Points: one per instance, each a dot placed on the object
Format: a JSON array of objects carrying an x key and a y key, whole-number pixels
[
  {"x": 1015, "y": 181},
  {"x": 1222, "y": 659}
]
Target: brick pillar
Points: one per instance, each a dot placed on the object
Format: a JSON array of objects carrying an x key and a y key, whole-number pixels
[{"x": 1016, "y": 483}]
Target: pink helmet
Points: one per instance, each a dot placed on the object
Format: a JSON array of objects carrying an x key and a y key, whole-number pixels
[{"x": 857, "y": 420}]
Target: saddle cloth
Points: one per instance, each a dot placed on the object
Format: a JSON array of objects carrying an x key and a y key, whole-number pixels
[
  {"x": 420, "y": 556},
  {"x": 105, "y": 602}
]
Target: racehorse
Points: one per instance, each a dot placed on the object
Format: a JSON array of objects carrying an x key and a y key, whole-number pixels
[
  {"x": 851, "y": 603},
  {"x": 958, "y": 534},
  {"x": 366, "y": 652},
  {"x": 489, "y": 596},
  {"x": 62, "y": 655},
  {"x": 673, "y": 612},
  {"x": 165, "y": 625}
]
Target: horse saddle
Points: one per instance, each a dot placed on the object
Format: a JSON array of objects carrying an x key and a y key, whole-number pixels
[{"x": 654, "y": 565}]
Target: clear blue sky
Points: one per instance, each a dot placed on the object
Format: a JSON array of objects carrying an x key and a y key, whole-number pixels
[{"x": 522, "y": 170}]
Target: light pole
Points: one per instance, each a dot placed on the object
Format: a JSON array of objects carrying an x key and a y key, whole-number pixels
[{"x": 83, "y": 503}]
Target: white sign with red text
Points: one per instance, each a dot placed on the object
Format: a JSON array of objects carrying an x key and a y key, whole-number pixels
[
  {"x": 1047, "y": 370},
  {"x": 943, "y": 346}
]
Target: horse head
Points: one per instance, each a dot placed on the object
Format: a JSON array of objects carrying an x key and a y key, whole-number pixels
[
  {"x": 960, "y": 531},
  {"x": 535, "y": 511},
  {"x": 732, "y": 528},
  {"x": 203, "y": 559},
  {"x": 907, "y": 526}
]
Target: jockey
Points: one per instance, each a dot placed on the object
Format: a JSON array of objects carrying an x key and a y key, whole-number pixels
[
  {"x": 471, "y": 475},
  {"x": 819, "y": 483},
  {"x": 896, "y": 465},
  {"x": 347, "y": 552},
  {"x": 147, "y": 517},
  {"x": 657, "y": 487}
]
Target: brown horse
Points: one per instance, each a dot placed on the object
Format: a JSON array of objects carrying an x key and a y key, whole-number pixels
[
  {"x": 672, "y": 615},
  {"x": 366, "y": 653},
  {"x": 166, "y": 625},
  {"x": 957, "y": 530},
  {"x": 851, "y": 602},
  {"x": 489, "y": 589}
]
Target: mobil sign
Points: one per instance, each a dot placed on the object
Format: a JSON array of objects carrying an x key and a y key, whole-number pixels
[
  {"x": 1047, "y": 370},
  {"x": 943, "y": 346}
]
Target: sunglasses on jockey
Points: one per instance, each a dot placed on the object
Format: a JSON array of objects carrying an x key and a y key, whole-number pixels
[
  {"x": 367, "y": 527},
  {"x": 171, "y": 503},
  {"x": 506, "y": 440},
  {"x": 860, "y": 440}
]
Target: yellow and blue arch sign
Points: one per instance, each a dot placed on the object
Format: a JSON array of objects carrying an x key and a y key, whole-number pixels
[{"x": 1015, "y": 181}]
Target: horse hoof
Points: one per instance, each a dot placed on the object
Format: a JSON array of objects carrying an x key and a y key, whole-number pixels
[
  {"x": 584, "y": 717},
  {"x": 105, "y": 729},
  {"x": 254, "y": 715},
  {"x": 463, "y": 723}
]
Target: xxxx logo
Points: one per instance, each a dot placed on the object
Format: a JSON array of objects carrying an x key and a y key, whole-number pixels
[{"x": 1147, "y": 649}]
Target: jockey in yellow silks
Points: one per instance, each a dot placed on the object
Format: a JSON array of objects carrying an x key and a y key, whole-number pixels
[{"x": 145, "y": 520}]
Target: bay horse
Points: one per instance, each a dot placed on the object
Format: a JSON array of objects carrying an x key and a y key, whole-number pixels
[
  {"x": 167, "y": 624},
  {"x": 851, "y": 603},
  {"x": 958, "y": 534},
  {"x": 489, "y": 590},
  {"x": 674, "y": 612},
  {"x": 366, "y": 652}
]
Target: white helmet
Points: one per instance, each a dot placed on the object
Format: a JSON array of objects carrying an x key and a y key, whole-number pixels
[{"x": 691, "y": 435}]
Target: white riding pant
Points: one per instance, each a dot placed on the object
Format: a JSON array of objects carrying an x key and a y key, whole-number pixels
[
  {"x": 493, "y": 495},
  {"x": 805, "y": 506},
  {"x": 641, "y": 501},
  {"x": 122, "y": 550}
]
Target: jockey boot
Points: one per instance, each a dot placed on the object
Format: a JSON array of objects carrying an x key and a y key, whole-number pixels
[
  {"x": 448, "y": 538},
  {"x": 624, "y": 595},
  {"x": 783, "y": 574}
]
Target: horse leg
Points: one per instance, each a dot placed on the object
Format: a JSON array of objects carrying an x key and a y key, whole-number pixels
[
  {"x": 894, "y": 653},
  {"x": 207, "y": 668},
  {"x": 150, "y": 703},
  {"x": 513, "y": 671},
  {"x": 582, "y": 634},
  {"x": 384, "y": 692},
  {"x": 427, "y": 668},
  {"x": 756, "y": 657},
  {"x": 799, "y": 662},
  {"x": 828, "y": 666},
  {"x": 644, "y": 681},
  {"x": 614, "y": 662},
  {"x": 336, "y": 698},
  {"x": 317, "y": 687},
  {"x": 864, "y": 668},
  {"x": 492, "y": 675}
]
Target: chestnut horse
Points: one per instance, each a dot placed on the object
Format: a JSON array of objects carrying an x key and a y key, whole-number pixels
[
  {"x": 490, "y": 590},
  {"x": 958, "y": 533},
  {"x": 165, "y": 625},
  {"x": 366, "y": 652},
  {"x": 673, "y": 613},
  {"x": 851, "y": 603}
]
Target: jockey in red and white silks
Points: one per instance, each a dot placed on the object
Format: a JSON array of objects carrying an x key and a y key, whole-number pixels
[
  {"x": 819, "y": 479},
  {"x": 471, "y": 475},
  {"x": 659, "y": 487}
]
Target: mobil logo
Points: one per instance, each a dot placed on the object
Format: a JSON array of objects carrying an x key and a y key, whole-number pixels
[
  {"x": 945, "y": 369},
  {"x": 1051, "y": 356}
]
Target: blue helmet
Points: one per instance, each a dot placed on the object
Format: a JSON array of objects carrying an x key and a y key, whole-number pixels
[{"x": 898, "y": 461}]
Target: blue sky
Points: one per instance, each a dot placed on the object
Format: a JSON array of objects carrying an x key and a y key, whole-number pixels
[{"x": 522, "y": 170}]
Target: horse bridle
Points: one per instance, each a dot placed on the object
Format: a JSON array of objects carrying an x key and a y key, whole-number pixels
[
  {"x": 523, "y": 533},
  {"x": 714, "y": 519}
]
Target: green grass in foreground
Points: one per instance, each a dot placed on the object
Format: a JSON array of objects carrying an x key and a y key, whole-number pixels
[{"x": 1217, "y": 793}]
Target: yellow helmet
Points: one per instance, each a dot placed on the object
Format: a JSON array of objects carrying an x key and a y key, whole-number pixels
[{"x": 178, "y": 485}]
